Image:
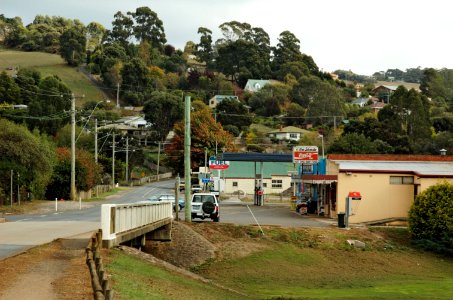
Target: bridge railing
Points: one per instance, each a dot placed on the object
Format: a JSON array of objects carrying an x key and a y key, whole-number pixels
[{"x": 117, "y": 219}]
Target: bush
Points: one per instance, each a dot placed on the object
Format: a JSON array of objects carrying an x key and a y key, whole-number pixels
[{"x": 431, "y": 216}]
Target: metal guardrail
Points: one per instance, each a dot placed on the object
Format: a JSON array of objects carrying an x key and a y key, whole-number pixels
[{"x": 117, "y": 219}]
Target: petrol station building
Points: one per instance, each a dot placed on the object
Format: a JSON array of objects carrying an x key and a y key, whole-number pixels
[{"x": 388, "y": 184}]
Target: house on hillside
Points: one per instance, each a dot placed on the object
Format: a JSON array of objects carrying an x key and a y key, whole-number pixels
[
  {"x": 376, "y": 106},
  {"x": 254, "y": 85},
  {"x": 289, "y": 133},
  {"x": 133, "y": 121},
  {"x": 241, "y": 176},
  {"x": 383, "y": 92},
  {"x": 388, "y": 184},
  {"x": 214, "y": 101},
  {"x": 360, "y": 102}
]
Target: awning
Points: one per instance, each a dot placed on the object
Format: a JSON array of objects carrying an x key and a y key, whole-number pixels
[{"x": 319, "y": 179}]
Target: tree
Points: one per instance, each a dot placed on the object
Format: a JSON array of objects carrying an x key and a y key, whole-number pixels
[
  {"x": 162, "y": 110},
  {"x": 354, "y": 143},
  {"x": 287, "y": 50},
  {"x": 87, "y": 173},
  {"x": 294, "y": 115},
  {"x": 72, "y": 46},
  {"x": 431, "y": 216},
  {"x": 122, "y": 29},
  {"x": 233, "y": 112},
  {"x": 269, "y": 100},
  {"x": 204, "y": 50},
  {"x": 148, "y": 27},
  {"x": 49, "y": 108},
  {"x": 205, "y": 133},
  {"x": 9, "y": 90},
  {"x": 30, "y": 155},
  {"x": 94, "y": 34}
]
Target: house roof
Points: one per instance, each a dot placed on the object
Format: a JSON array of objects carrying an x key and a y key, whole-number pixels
[
  {"x": 246, "y": 169},
  {"x": 420, "y": 165},
  {"x": 288, "y": 129},
  {"x": 377, "y": 105},
  {"x": 223, "y": 97},
  {"x": 389, "y": 87},
  {"x": 360, "y": 101},
  {"x": 255, "y": 85},
  {"x": 118, "y": 126}
]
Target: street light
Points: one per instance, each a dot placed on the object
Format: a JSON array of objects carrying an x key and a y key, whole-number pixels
[{"x": 322, "y": 144}]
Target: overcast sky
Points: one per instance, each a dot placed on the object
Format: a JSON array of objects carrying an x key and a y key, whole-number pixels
[{"x": 361, "y": 36}]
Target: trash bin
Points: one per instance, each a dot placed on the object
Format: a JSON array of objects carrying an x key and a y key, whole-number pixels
[{"x": 341, "y": 220}]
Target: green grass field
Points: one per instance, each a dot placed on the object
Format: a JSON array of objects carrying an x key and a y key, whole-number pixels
[
  {"x": 52, "y": 64},
  {"x": 296, "y": 264}
]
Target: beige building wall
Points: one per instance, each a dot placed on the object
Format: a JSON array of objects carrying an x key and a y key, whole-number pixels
[
  {"x": 425, "y": 183},
  {"x": 380, "y": 199},
  {"x": 247, "y": 185}
]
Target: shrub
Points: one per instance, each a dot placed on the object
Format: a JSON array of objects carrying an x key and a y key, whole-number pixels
[{"x": 431, "y": 217}]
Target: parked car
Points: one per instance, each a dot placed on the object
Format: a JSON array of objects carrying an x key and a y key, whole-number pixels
[
  {"x": 196, "y": 188},
  {"x": 168, "y": 197},
  {"x": 205, "y": 205}
]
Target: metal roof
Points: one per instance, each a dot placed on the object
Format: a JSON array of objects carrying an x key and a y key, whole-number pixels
[{"x": 420, "y": 168}]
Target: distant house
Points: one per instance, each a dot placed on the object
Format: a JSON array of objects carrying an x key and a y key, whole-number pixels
[
  {"x": 254, "y": 85},
  {"x": 214, "y": 101},
  {"x": 289, "y": 133},
  {"x": 133, "y": 121},
  {"x": 377, "y": 106},
  {"x": 360, "y": 102},
  {"x": 334, "y": 76},
  {"x": 383, "y": 92}
]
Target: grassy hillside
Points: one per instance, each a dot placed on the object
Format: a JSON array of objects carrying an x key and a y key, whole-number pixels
[
  {"x": 295, "y": 263},
  {"x": 52, "y": 64}
]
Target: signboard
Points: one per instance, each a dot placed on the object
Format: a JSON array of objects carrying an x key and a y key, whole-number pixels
[
  {"x": 305, "y": 154},
  {"x": 206, "y": 180},
  {"x": 215, "y": 164},
  {"x": 355, "y": 195}
]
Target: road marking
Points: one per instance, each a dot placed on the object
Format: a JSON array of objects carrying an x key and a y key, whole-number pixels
[
  {"x": 42, "y": 216},
  {"x": 23, "y": 220},
  {"x": 151, "y": 190}
]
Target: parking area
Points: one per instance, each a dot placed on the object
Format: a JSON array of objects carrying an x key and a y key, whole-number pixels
[{"x": 239, "y": 213}]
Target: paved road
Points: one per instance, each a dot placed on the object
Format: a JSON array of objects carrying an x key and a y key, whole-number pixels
[
  {"x": 25, "y": 231},
  {"x": 22, "y": 232}
]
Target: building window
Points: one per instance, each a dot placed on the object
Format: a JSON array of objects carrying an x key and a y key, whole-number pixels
[
  {"x": 235, "y": 183},
  {"x": 277, "y": 183},
  {"x": 307, "y": 168},
  {"x": 401, "y": 180},
  {"x": 293, "y": 135},
  {"x": 264, "y": 184}
]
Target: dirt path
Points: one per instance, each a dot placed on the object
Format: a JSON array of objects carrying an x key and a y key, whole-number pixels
[{"x": 53, "y": 271}]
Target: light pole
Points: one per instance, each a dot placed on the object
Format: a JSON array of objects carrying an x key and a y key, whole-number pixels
[
  {"x": 113, "y": 160},
  {"x": 322, "y": 144}
]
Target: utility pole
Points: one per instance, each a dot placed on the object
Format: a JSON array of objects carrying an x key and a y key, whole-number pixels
[
  {"x": 18, "y": 189},
  {"x": 127, "y": 159},
  {"x": 96, "y": 141},
  {"x": 73, "y": 187},
  {"x": 187, "y": 142},
  {"x": 113, "y": 161},
  {"x": 158, "y": 160},
  {"x": 118, "y": 95},
  {"x": 11, "y": 196},
  {"x": 205, "y": 184}
]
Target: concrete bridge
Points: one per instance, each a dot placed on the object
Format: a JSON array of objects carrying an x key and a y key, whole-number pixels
[{"x": 136, "y": 223}]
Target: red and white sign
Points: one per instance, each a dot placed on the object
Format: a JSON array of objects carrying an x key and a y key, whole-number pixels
[
  {"x": 305, "y": 154},
  {"x": 219, "y": 164}
]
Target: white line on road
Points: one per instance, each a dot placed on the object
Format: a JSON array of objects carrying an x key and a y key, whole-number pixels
[{"x": 23, "y": 220}]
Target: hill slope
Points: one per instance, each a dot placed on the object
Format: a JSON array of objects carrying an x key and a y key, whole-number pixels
[{"x": 52, "y": 64}]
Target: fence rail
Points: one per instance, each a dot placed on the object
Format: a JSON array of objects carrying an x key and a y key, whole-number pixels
[{"x": 121, "y": 218}]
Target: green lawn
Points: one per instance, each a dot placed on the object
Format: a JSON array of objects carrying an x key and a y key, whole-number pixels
[
  {"x": 134, "y": 279},
  {"x": 297, "y": 264},
  {"x": 53, "y": 64}
]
